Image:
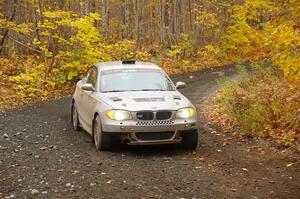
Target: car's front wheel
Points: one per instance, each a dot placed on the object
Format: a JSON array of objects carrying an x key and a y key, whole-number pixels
[
  {"x": 190, "y": 139},
  {"x": 75, "y": 120},
  {"x": 102, "y": 140}
]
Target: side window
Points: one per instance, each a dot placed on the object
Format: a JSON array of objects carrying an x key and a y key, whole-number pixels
[{"x": 92, "y": 77}]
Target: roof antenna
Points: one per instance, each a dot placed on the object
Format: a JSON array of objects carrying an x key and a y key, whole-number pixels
[{"x": 128, "y": 62}]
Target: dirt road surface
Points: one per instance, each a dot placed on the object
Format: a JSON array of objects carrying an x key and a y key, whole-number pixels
[{"x": 42, "y": 157}]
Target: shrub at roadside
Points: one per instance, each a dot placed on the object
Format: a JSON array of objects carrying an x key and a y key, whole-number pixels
[
  {"x": 261, "y": 104},
  {"x": 267, "y": 102},
  {"x": 25, "y": 80}
]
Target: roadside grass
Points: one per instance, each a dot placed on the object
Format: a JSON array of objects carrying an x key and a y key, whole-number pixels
[{"x": 260, "y": 103}]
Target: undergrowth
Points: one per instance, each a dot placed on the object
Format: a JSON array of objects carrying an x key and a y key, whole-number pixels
[{"x": 259, "y": 103}]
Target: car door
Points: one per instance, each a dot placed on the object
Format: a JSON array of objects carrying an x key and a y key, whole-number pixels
[
  {"x": 88, "y": 98},
  {"x": 78, "y": 96}
]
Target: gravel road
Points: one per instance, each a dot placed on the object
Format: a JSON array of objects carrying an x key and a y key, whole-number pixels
[{"x": 42, "y": 157}]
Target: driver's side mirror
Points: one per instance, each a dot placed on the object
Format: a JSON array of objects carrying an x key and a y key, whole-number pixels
[
  {"x": 180, "y": 85},
  {"x": 87, "y": 87}
]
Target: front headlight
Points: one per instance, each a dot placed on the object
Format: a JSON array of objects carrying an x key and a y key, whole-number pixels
[
  {"x": 186, "y": 113},
  {"x": 118, "y": 115}
]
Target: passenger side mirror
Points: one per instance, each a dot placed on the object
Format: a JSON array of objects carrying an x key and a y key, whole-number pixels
[
  {"x": 180, "y": 85},
  {"x": 87, "y": 87}
]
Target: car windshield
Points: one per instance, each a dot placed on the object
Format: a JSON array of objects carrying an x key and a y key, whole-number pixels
[{"x": 138, "y": 79}]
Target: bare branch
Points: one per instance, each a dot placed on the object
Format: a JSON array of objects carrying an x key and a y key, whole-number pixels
[{"x": 24, "y": 45}]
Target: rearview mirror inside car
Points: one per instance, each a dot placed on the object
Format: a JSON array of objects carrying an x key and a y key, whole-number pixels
[
  {"x": 87, "y": 87},
  {"x": 180, "y": 85}
]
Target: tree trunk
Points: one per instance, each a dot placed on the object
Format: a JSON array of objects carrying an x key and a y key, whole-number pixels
[
  {"x": 175, "y": 21},
  {"x": 162, "y": 21},
  {"x": 6, "y": 31},
  {"x": 137, "y": 8},
  {"x": 85, "y": 8},
  {"x": 126, "y": 18},
  {"x": 105, "y": 17}
]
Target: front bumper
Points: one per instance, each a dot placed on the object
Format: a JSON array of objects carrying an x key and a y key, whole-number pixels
[
  {"x": 132, "y": 131},
  {"x": 112, "y": 126}
]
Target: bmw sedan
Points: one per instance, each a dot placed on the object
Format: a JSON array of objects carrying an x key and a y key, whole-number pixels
[{"x": 135, "y": 103}]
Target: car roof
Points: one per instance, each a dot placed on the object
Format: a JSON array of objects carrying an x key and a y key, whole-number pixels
[{"x": 123, "y": 64}]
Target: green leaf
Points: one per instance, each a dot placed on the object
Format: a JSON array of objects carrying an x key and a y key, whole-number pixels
[{"x": 72, "y": 74}]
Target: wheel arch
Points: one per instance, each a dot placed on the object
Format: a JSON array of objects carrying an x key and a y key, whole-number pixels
[
  {"x": 73, "y": 102},
  {"x": 93, "y": 123}
]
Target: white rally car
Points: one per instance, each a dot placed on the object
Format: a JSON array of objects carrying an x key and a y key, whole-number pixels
[{"x": 135, "y": 102}]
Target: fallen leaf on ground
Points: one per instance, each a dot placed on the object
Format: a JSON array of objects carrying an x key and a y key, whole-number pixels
[{"x": 289, "y": 165}]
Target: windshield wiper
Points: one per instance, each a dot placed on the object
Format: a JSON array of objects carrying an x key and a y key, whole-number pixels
[
  {"x": 153, "y": 89},
  {"x": 113, "y": 91}
]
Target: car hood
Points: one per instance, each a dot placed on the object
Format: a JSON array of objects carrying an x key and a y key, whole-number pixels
[{"x": 146, "y": 100}]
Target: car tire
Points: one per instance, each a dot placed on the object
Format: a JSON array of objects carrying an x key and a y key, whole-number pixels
[
  {"x": 190, "y": 139},
  {"x": 75, "y": 119},
  {"x": 102, "y": 140}
]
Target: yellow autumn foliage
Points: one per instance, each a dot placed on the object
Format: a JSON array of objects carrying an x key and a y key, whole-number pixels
[{"x": 265, "y": 30}]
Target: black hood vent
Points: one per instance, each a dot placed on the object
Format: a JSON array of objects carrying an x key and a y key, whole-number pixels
[
  {"x": 116, "y": 99},
  {"x": 176, "y": 97}
]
